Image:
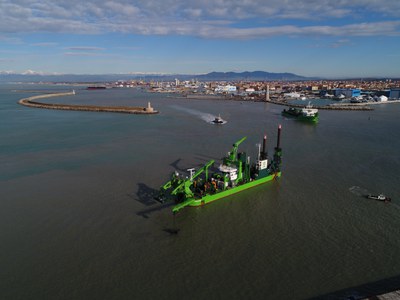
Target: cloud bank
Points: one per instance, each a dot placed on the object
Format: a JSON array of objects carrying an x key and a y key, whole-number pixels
[{"x": 223, "y": 19}]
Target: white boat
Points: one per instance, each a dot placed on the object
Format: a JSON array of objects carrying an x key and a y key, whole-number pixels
[
  {"x": 218, "y": 120},
  {"x": 380, "y": 197}
]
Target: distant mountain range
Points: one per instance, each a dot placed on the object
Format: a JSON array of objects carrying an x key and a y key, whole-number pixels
[
  {"x": 256, "y": 75},
  {"x": 32, "y": 76}
]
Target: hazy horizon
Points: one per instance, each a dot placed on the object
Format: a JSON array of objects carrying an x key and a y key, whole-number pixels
[
  {"x": 346, "y": 39},
  {"x": 134, "y": 75}
]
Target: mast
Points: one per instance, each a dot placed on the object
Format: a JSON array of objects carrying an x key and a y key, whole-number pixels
[
  {"x": 264, "y": 154},
  {"x": 276, "y": 164},
  {"x": 278, "y": 142}
]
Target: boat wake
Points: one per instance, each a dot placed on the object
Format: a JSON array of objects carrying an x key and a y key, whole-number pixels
[
  {"x": 209, "y": 118},
  {"x": 359, "y": 191},
  {"x": 364, "y": 193}
]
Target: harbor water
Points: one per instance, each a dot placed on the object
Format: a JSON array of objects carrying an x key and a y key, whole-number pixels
[{"x": 78, "y": 219}]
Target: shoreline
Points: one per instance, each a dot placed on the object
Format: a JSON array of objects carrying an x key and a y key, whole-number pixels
[
  {"x": 327, "y": 107},
  {"x": 280, "y": 101},
  {"x": 29, "y": 102}
]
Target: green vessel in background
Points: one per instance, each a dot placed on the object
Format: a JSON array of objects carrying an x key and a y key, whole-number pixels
[
  {"x": 235, "y": 174},
  {"x": 307, "y": 113}
]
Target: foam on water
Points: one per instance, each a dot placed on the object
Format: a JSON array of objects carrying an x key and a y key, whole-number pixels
[
  {"x": 207, "y": 117},
  {"x": 359, "y": 191}
]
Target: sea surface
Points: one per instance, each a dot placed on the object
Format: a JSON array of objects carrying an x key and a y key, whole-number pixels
[{"x": 78, "y": 219}]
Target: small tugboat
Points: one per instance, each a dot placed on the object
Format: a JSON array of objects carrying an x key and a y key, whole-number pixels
[
  {"x": 234, "y": 175},
  {"x": 218, "y": 120},
  {"x": 380, "y": 197},
  {"x": 307, "y": 113}
]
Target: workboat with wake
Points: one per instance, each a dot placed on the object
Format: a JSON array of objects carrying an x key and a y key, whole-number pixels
[
  {"x": 218, "y": 120},
  {"x": 364, "y": 193},
  {"x": 380, "y": 197}
]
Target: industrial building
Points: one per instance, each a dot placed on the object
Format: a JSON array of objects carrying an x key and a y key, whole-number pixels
[
  {"x": 394, "y": 94},
  {"x": 348, "y": 93},
  {"x": 225, "y": 89}
]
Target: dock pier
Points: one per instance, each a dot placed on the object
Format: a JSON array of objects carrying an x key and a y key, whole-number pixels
[{"x": 350, "y": 106}]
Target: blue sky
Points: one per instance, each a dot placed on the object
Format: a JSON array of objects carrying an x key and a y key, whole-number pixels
[{"x": 329, "y": 38}]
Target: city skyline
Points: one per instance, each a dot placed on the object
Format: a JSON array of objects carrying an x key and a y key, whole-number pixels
[{"x": 357, "y": 38}]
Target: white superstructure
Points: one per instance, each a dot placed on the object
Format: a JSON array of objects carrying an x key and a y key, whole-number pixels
[{"x": 308, "y": 111}]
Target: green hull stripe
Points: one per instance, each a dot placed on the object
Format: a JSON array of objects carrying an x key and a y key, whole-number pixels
[
  {"x": 210, "y": 198},
  {"x": 303, "y": 118}
]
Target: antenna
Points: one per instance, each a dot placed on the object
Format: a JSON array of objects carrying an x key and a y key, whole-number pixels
[
  {"x": 191, "y": 171},
  {"x": 259, "y": 151}
]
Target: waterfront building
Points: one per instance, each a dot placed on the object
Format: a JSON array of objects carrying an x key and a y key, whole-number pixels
[
  {"x": 292, "y": 95},
  {"x": 225, "y": 89},
  {"x": 348, "y": 93},
  {"x": 382, "y": 98},
  {"x": 394, "y": 94}
]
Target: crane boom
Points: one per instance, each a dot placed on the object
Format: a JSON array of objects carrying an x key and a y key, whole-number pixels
[
  {"x": 186, "y": 183},
  {"x": 233, "y": 153}
]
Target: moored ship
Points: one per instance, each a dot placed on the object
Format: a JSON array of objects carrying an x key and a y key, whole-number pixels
[
  {"x": 307, "y": 113},
  {"x": 234, "y": 175},
  {"x": 96, "y": 87}
]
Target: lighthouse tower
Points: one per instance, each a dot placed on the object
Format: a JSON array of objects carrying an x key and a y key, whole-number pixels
[
  {"x": 267, "y": 94},
  {"x": 149, "y": 108}
]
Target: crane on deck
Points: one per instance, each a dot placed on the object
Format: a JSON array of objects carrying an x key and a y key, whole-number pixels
[
  {"x": 181, "y": 186},
  {"x": 232, "y": 155}
]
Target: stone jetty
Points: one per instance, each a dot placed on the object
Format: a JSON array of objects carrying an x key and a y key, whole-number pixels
[{"x": 32, "y": 102}]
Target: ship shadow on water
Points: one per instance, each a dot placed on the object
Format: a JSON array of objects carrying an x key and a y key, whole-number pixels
[
  {"x": 202, "y": 160},
  {"x": 366, "y": 291},
  {"x": 145, "y": 195},
  {"x": 145, "y": 213},
  {"x": 175, "y": 163}
]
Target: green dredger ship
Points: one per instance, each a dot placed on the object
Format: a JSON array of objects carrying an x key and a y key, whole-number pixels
[
  {"x": 234, "y": 175},
  {"x": 307, "y": 113}
]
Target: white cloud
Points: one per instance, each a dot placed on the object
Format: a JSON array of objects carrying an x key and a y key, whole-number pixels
[
  {"x": 32, "y": 72},
  {"x": 10, "y": 40},
  {"x": 193, "y": 12},
  {"x": 45, "y": 44},
  {"x": 362, "y": 29},
  {"x": 82, "y": 54},
  {"x": 7, "y": 60},
  {"x": 27, "y": 72},
  {"x": 85, "y": 48},
  {"x": 340, "y": 43},
  {"x": 203, "y": 18},
  {"x": 121, "y": 8}
]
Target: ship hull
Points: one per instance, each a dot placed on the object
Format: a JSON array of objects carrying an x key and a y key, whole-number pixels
[
  {"x": 213, "y": 197},
  {"x": 300, "y": 117}
]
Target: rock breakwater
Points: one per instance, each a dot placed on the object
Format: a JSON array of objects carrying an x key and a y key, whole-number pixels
[{"x": 32, "y": 102}]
